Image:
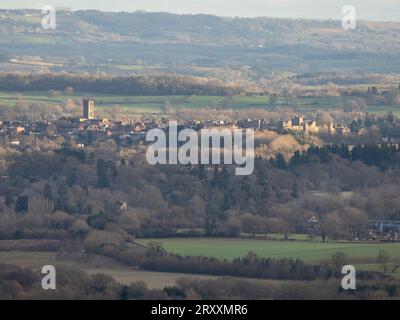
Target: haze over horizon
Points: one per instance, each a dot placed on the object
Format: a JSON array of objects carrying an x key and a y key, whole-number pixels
[{"x": 385, "y": 10}]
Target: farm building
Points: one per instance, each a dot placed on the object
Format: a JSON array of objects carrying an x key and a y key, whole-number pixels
[{"x": 385, "y": 230}]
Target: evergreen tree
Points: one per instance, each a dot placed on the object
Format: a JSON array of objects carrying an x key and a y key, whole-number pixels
[
  {"x": 22, "y": 204},
  {"x": 280, "y": 162},
  {"x": 102, "y": 174}
]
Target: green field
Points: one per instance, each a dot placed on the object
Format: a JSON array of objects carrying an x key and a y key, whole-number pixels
[
  {"x": 156, "y": 104},
  {"x": 152, "y": 104},
  {"x": 358, "y": 253},
  {"x": 361, "y": 255},
  {"x": 145, "y": 104}
]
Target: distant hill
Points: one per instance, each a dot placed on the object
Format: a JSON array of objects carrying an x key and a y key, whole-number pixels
[{"x": 92, "y": 39}]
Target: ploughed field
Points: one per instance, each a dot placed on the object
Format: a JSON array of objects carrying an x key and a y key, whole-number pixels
[{"x": 94, "y": 264}]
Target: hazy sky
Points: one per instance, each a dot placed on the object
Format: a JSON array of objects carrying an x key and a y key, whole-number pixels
[{"x": 324, "y": 9}]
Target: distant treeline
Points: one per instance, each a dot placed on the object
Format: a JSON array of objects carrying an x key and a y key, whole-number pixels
[
  {"x": 134, "y": 85},
  {"x": 382, "y": 156},
  {"x": 18, "y": 283}
]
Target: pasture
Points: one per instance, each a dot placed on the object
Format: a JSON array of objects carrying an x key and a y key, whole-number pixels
[
  {"x": 156, "y": 104},
  {"x": 358, "y": 253}
]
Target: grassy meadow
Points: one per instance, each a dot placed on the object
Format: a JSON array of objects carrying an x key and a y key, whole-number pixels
[
  {"x": 154, "y": 104},
  {"x": 361, "y": 254}
]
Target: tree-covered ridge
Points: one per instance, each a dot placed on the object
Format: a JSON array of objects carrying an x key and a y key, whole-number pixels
[
  {"x": 163, "y": 39},
  {"x": 72, "y": 193}
]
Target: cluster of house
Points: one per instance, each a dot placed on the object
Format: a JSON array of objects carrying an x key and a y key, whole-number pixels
[
  {"x": 89, "y": 128},
  {"x": 95, "y": 129},
  {"x": 85, "y": 129},
  {"x": 384, "y": 230},
  {"x": 11, "y": 130},
  {"x": 299, "y": 124},
  {"x": 376, "y": 230}
]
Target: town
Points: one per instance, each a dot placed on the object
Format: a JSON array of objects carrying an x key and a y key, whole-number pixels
[{"x": 88, "y": 128}]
